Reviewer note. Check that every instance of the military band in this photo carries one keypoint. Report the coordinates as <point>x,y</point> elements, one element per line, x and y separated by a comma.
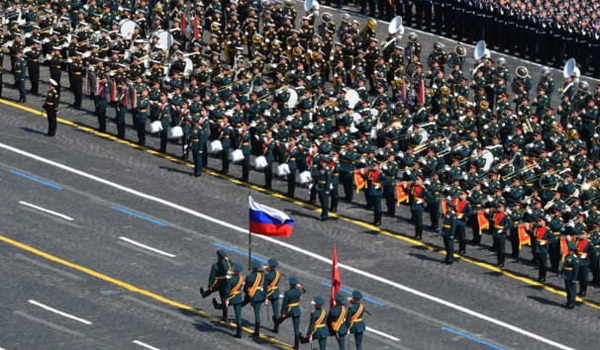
<point>412,125</point>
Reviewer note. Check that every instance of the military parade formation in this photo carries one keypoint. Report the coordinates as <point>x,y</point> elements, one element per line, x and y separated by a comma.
<point>261,286</point>
<point>331,107</point>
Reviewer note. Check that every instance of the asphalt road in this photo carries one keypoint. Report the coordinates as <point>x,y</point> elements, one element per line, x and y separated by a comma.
<point>115,294</point>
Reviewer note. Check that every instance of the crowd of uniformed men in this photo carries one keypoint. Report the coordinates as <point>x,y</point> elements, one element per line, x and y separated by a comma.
<point>542,31</point>
<point>261,286</point>
<point>338,106</point>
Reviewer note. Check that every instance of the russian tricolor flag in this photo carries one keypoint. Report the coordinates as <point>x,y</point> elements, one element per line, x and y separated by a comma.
<point>269,221</point>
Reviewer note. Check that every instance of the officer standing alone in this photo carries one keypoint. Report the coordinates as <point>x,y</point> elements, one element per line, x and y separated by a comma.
<point>51,106</point>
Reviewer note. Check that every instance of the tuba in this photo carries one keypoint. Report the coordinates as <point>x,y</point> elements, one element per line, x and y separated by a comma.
<point>326,17</point>
<point>522,72</point>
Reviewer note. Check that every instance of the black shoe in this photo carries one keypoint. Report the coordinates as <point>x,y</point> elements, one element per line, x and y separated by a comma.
<point>276,324</point>
<point>238,332</point>
<point>500,266</point>
<point>462,252</point>
<point>541,280</point>
<point>256,329</point>
<point>216,304</point>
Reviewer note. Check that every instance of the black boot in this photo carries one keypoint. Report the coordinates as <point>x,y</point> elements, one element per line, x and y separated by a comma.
<point>203,293</point>
<point>296,342</point>
<point>419,233</point>
<point>238,332</point>
<point>216,304</point>
<point>377,219</point>
<point>582,290</point>
<point>225,309</point>
<point>257,328</point>
<point>276,324</point>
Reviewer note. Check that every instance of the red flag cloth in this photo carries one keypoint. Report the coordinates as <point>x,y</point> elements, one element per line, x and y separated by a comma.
<point>196,29</point>
<point>183,22</point>
<point>359,180</point>
<point>401,194</point>
<point>421,92</point>
<point>403,89</point>
<point>336,280</point>
<point>524,238</point>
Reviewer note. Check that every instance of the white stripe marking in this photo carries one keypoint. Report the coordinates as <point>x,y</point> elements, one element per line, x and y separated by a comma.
<point>63,216</point>
<point>291,247</point>
<point>64,314</point>
<point>146,247</point>
<point>145,345</point>
<point>385,335</point>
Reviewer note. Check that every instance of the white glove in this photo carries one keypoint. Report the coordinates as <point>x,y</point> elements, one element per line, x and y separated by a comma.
<point>506,189</point>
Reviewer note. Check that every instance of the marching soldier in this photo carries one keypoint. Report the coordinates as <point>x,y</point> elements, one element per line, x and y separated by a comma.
<point>233,297</point>
<point>271,290</point>
<point>290,307</point>
<point>585,249</point>
<point>463,213</point>
<point>354,321</point>
<point>336,320</point>
<point>51,106</point>
<point>76,77</point>
<point>217,280</point>
<point>198,139</point>
<point>317,324</point>
<point>375,181</point>
<point>121,110</point>
<point>253,290</point>
<point>142,116</point>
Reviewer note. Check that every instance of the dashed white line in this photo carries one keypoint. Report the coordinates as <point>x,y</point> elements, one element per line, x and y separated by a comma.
<point>62,313</point>
<point>145,345</point>
<point>62,216</point>
<point>357,271</point>
<point>131,241</point>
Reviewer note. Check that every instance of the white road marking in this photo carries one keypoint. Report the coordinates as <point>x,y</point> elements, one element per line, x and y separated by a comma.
<point>291,247</point>
<point>385,335</point>
<point>146,247</point>
<point>64,314</point>
<point>145,345</point>
<point>62,216</point>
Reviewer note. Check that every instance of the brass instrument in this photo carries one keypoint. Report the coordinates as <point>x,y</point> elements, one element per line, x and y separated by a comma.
<point>522,72</point>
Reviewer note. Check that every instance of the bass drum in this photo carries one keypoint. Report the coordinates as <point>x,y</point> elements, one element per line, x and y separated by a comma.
<point>127,28</point>
<point>260,163</point>
<point>215,147</point>
<point>165,39</point>
<point>283,169</point>
<point>304,177</point>
<point>293,100</point>
<point>236,155</point>
<point>154,127</point>
<point>175,132</point>
<point>189,67</point>
<point>352,97</point>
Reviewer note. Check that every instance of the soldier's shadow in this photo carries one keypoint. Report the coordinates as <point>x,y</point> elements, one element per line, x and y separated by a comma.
<point>544,301</point>
<point>33,131</point>
<point>425,257</point>
<point>174,170</point>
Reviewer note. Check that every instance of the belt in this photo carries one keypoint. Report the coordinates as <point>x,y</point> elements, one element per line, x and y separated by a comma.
<point>582,255</point>
<point>77,73</point>
<point>33,60</point>
<point>567,268</point>
<point>322,182</point>
<point>142,111</point>
<point>446,226</point>
<point>220,277</point>
<point>245,143</point>
<point>498,227</point>
<point>50,103</point>
<point>556,233</point>
<point>195,140</point>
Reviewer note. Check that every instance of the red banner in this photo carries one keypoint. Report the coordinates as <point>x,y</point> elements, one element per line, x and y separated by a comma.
<point>196,28</point>
<point>524,238</point>
<point>336,280</point>
<point>482,221</point>
<point>359,180</point>
<point>401,194</point>
<point>421,92</point>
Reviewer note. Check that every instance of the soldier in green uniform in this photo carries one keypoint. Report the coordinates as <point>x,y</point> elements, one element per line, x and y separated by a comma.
<point>499,229</point>
<point>390,171</point>
<point>142,115</point>
<point>317,324</point>
<point>448,232</point>
<point>51,106</point>
<point>322,183</point>
<point>585,250</point>
<point>570,272</point>
<point>198,139</point>
<point>290,307</point>
<point>542,236</point>
<point>375,179</point>
<point>418,195</point>
<point>348,159</point>
<point>253,290</point>
<point>217,279</point>
<point>434,188</point>
<point>271,290</point>
<point>121,110</point>
<point>20,72</point>
<point>336,320</point>
<point>354,321</point>
<point>234,297</point>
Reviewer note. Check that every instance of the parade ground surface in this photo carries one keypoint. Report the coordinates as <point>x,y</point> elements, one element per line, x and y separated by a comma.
<point>104,244</point>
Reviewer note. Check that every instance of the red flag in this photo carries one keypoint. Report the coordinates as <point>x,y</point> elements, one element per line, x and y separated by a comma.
<point>183,23</point>
<point>336,280</point>
<point>196,28</point>
<point>421,92</point>
<point>359,180</point>
<point>403,89</point>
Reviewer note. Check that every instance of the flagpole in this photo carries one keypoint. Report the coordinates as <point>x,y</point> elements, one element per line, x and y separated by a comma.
<point>249,237</point>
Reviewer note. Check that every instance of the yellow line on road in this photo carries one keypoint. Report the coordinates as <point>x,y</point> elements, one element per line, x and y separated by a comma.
<point>133,288</point>
<point>278,195</point>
